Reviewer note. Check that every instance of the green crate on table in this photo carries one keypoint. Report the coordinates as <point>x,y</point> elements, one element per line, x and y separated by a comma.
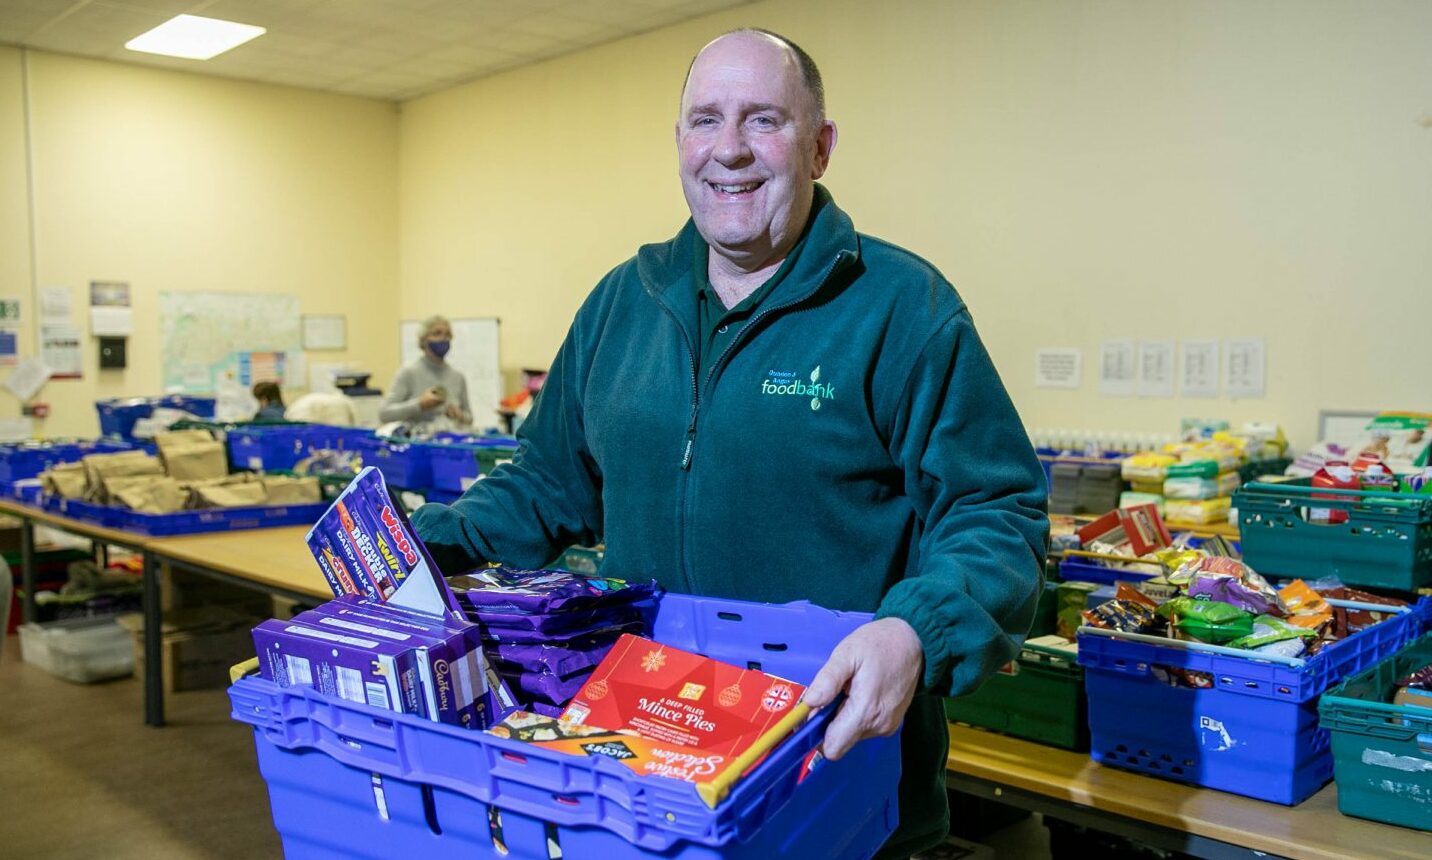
<point>1039,697</point>
<point>1382,753</point>
<point>1385,543</point>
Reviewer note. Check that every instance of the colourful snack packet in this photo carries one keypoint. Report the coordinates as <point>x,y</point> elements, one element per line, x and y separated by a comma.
<point>555,657</point>
<point>1361,619</point>
<point>543,686</point>
<point>1206,620</point>
<point>1126,592</point>
<point>1268,629</point>
<point>1306,607</point>
<point>1231,581</point>
<point>1123,615</point>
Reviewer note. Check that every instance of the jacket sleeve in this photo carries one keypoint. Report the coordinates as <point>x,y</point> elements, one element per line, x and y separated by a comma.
<point>980,495</point>
<point>545,500</point>
<point>402,402</point>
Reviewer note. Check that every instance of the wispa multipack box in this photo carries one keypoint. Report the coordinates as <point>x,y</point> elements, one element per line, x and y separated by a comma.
<point>681,699</point>
<point>365,545</point>
<point>458,685</point>
<point>359,668</point>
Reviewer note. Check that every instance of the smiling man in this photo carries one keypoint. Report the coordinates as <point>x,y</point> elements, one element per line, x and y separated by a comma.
<point>771,406</point>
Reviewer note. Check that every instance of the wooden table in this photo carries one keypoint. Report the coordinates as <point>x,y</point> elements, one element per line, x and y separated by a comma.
<point>275,561</point>
<point>1168,815</point>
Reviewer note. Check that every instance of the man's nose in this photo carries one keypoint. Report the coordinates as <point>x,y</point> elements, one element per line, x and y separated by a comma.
<point>731,147</point>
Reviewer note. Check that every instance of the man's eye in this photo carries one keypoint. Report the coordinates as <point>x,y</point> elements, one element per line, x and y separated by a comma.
<point>704,121</point>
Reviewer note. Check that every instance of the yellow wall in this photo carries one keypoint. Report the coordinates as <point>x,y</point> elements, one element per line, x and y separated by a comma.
<point>1080,171</point>
<point>175,181</point>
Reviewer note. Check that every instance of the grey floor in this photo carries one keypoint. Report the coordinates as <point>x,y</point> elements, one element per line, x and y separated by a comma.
<point>81,777</point>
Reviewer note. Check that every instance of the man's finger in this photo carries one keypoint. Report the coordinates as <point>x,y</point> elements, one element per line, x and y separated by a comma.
<point>843,731</point>
<point>829,681</point>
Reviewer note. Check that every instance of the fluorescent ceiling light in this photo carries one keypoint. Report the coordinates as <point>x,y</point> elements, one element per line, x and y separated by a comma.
<point>194,37</point>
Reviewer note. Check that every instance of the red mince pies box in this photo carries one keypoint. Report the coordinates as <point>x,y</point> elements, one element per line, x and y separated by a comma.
<point>682,699</point>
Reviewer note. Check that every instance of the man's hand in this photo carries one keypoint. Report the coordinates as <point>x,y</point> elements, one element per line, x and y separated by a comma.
<point>878,667</point>
<point>429,399</point>
<point>454,412</point>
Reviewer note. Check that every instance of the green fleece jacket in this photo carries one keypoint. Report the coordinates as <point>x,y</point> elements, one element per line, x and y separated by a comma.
<point>853,446</point>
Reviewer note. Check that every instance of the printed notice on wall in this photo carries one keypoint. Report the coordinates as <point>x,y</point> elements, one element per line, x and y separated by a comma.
<point>1200,368</point>
<point>1118,367</point>
<point>1058,368</point>
<point>1156,368</point>
<point>60,350</point>
<point>1244,365</point>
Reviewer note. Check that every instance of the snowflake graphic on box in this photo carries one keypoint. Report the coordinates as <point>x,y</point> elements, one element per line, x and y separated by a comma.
<point>653,661</point>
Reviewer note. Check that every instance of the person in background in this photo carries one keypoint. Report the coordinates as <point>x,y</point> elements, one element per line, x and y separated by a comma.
<point>270,399</point>
<point>774,407</point>
<point>429,392</point>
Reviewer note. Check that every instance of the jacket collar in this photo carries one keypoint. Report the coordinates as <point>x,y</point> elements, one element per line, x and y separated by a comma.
<point>665,268</point>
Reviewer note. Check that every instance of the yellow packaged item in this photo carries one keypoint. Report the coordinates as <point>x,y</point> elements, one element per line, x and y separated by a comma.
<point>1198,511</point>
<point>1149,466</point>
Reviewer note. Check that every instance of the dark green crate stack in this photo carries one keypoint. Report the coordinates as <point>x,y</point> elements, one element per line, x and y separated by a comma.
<point>1039,696</point>
<point>1385,543</point>
<point>1382,753</point>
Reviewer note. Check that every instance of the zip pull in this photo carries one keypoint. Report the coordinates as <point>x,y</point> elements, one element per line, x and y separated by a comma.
<point>690,445</point>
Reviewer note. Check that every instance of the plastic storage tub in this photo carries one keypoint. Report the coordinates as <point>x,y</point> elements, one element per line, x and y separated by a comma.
<point>1255,732</point>
<point>403,464</point>
<point>82,650</point>
<point>273,447</point>
<point>1039,696</point>
<point>117,417</point>
<point>458,465</point>
<point>1382,753</point>
<point>1385,543</point>
<point>346,780</point>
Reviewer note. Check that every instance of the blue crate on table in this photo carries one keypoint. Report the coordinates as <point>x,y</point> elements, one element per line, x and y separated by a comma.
<point>346,780</point>
<point>219,519</point>
<point>1255,732</point>
<point>275,446</point>
<point>403,464</point>
<point>118,416</point>
<point>457,465</point>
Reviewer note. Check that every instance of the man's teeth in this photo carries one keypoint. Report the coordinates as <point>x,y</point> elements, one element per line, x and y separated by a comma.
<point>737,189</point>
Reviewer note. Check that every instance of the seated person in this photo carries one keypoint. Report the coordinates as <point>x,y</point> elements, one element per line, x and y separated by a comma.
<point>270,400</point>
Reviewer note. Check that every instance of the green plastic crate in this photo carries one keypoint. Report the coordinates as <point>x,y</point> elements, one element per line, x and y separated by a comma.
<point>1382,753</point>
<point>1038,697</point>
<point>1386,542</point>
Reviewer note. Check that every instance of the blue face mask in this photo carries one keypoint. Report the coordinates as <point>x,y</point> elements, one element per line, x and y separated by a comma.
<point>439,347</point>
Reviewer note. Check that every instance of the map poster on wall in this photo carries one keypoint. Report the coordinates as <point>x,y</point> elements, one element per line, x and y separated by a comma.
<point>205,336</point>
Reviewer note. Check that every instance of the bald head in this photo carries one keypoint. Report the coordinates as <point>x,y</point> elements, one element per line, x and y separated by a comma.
<point>797,58</point>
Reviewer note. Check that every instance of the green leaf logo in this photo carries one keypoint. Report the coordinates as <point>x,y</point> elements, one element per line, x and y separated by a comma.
<point>815,374</point>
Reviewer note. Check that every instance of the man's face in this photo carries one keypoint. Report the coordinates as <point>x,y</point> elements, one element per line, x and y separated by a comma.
<point>750,148</point>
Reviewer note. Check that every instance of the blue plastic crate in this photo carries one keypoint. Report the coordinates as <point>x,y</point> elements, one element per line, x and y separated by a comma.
<point>219,519</point>
<point>1255,732</point>
<point>76,509</point>
<point>403,464</point>
<point>442,497</point>
<point>458,465</point>
<point>275,446</point>
<point>1086,570</point>
<point>346,780</point>
<point>118,416</point>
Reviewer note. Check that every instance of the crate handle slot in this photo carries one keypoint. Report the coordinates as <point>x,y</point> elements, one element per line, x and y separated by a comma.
<point>566,801</point>
<point>775,646</point>
<point>1294,662</point>
<point>728,616</point>
<point>514,757</point>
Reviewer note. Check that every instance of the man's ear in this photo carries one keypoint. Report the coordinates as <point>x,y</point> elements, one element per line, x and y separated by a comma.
<point>824,146</point>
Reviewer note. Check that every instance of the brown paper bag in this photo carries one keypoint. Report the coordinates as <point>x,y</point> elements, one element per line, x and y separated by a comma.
<point>291,491</point>
<point>192,454</point>
<point>66,480</point>
<point>230,496</point>
<point>98,467</point>
<point>157,496</point>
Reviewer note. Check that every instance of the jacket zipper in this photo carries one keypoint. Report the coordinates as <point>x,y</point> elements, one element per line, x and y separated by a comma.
<point>688,452</point>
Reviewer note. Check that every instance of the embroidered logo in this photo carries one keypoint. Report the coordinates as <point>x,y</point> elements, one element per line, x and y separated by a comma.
<point>787,382</point>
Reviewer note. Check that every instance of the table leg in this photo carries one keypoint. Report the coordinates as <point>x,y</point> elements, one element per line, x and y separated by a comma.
<point>27,569</point>
<point>153,622</point>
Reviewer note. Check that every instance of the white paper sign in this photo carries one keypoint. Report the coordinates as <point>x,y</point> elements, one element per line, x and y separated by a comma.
<point>111,321</point>
<point>1156,368</point>
<point>55,303</point>
<point>1118,367</point>
<point>60,350</point>
<point>1058,368</point>
<point>1244,365</point>
<point>27,378</point>
<point>1200,368</point>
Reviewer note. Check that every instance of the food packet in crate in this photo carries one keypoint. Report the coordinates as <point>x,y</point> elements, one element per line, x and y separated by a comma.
<point>1206,621</point>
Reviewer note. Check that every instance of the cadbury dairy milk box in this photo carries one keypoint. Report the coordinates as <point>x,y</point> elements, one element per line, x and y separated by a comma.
<point>359,668</point>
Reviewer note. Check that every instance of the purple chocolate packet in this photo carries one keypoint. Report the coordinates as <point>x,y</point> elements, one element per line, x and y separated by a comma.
<point>542,687</point>
<point>1230,589</point>
<point>546,710</point>
<point>564,625</point>
<point>504,637</point>
<point>508,591</point>
<point>553,659</point>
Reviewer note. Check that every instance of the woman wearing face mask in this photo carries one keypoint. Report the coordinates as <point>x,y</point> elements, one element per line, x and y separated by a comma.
<point>429,394</point>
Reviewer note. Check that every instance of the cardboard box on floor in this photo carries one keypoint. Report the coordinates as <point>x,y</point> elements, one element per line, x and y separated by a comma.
<point>199,646</point>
